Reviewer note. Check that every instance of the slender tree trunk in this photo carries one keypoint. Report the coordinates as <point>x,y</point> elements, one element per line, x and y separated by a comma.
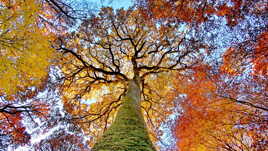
<point>128,132</point>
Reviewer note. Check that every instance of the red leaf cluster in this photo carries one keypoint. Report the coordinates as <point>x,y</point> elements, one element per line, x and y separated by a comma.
<point>260,59</point>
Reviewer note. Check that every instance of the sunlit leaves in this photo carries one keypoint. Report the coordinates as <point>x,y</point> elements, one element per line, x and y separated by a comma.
<point>25,56</point>
<point>25,48</point>
<point>234,61</point>
<point>158,104</point>
<point>227,123</point>
<point>202,115</point>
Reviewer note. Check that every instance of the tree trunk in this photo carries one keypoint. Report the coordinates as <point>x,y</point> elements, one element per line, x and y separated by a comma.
<point>128,132</point>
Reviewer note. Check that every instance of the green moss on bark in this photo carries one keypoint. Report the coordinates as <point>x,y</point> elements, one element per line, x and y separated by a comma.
<point>128,132</point>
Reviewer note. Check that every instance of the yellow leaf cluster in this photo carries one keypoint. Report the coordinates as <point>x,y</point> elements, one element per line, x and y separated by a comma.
<point>25,50</point>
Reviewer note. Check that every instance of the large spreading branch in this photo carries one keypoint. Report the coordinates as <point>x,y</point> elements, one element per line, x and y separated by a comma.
<point>11,109</point>
<point>245,102</point>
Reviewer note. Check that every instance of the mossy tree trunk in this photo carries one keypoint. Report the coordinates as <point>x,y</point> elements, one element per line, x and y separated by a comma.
<point>128,132</point>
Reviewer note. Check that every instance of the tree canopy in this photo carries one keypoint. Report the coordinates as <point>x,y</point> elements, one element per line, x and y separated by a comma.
<point>194,72</point>
<point>113,47</point>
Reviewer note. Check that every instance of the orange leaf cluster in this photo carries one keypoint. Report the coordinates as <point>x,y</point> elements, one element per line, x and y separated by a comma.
<point>260,59</point>
<point>228,65</point>
<point>209,122</point>
<point>195,10</point>
<point>182,10</point>
<point>11,125</point>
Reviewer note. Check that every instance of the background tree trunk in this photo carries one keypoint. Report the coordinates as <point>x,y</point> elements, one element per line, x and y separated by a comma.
<point>128,132</point>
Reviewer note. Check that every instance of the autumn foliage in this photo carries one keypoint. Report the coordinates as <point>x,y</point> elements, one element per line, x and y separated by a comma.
<point>201,69</point>
<point>224,107</point>
<point>23,43</point>
<point>198,11</point>
<point>260,60</point>
<point>11,124</point>
<point>212,117</point>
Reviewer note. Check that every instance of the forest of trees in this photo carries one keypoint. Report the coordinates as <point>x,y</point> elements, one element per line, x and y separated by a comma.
<point>160,75</point>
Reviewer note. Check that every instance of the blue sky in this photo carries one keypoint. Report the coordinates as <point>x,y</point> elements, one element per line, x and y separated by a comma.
<point>96,4</point>
<point>116,3</point>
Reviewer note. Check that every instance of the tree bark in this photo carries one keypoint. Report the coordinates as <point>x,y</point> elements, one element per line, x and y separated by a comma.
<point>128,132</point>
